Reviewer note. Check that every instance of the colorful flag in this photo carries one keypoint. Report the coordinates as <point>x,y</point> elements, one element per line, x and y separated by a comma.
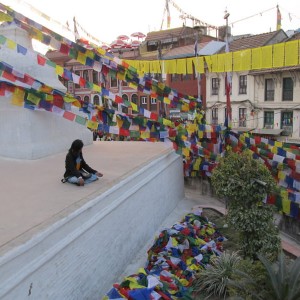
<point>278,19</point>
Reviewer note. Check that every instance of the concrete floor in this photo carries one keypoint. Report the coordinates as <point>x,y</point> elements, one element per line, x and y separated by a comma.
<point>33,197</point>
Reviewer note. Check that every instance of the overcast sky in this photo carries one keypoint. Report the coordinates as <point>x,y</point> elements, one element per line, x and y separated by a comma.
<point>107,19</point>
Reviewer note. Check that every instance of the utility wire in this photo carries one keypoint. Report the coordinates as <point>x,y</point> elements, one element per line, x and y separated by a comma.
<point>257,14</point>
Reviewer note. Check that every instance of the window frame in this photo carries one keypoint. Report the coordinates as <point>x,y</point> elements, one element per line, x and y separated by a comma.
<point>267,118</point>
<point>115,80</point>
<point>215,84</point>
<point>287,93</point>
<point>153,100</point>
<point>242,117</point>
<point>242,84</point>
<point>214,115</point>
<point>269,93</point>
<point>144,100</point>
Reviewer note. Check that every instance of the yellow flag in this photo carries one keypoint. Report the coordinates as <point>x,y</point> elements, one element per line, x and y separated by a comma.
<point>291,53</point>
<point>59,70</point>
<point>132,85</point>
<point>97,88</point>
<point>237,61</point>
<point>81,58</point>
<point>278,55</point>
<point>181,66</point>
<point>49,97</point>
<point>167,122</point>
<point>286,206</point>
<point>92,125</point>
<point>167,100</point>
<point>134,106</point>
<point>186,152</point>
<point>33,98</point>
<point>18,97</point>
<point>11,44</point>
<point>145,134</point>
<point>246,59</point>
<point>257,58</point>
<point>119,122</point>
<point>267,56</point>
<point>5,18</point>
<point>189,65</point>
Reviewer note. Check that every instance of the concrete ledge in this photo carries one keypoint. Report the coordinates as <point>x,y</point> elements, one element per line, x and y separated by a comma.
<point>82,255</point>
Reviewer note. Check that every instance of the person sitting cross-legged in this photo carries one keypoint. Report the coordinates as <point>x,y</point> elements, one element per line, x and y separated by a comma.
<point>77,170</point>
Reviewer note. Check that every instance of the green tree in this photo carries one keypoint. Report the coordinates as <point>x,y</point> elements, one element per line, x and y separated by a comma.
<point>245,182</point>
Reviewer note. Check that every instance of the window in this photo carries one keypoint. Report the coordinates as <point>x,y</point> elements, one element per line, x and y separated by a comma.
<point>286,118</point>
<point>153,100</point>
<point>214,116</point>
<point>95,77</point>
<point>85,75</point>
<point>243,84</point>
<point>242,117</point>
<point>143,99</point>
<point>124,83</point>
<point>96,100</point>
<point>287,89</point>
<point>287,122</point>
<point>134,98</point>
<point>113,82</point>
<point>269,119</point>
<point>86,99</point>
<point>125,99</point>
<point>214,86</point>
<point>269,89</point>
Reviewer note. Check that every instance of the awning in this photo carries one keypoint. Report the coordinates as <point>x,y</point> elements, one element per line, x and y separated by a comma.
<point>265,131</point>
<point>262,131</point>
<point>241,129</point>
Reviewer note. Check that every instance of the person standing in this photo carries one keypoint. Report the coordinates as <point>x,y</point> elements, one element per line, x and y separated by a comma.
<point>77,170</point>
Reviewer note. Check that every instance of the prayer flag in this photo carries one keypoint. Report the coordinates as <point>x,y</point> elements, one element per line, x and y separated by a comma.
<point>278,27</point>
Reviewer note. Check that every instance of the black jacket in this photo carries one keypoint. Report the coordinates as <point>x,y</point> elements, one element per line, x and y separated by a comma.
<point>71,166</point>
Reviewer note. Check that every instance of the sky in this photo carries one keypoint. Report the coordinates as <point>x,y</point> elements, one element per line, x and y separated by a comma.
<point>106,20</point>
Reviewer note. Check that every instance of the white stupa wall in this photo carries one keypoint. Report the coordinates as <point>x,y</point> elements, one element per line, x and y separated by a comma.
<point>26,134</point>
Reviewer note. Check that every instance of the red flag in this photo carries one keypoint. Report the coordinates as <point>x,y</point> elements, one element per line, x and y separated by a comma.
<point>69,115</point>
<point>41,60</point>
<point>228,80</point>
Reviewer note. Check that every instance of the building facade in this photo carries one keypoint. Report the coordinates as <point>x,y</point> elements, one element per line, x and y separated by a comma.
<point>164,44</point>
<point>265,101</point>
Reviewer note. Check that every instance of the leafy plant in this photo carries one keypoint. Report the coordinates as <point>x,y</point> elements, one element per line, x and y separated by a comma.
<point>282,281</point>
<point>213,280</point>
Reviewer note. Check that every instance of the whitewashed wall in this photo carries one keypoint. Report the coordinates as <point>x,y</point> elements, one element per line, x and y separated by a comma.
<point>26,134</point>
